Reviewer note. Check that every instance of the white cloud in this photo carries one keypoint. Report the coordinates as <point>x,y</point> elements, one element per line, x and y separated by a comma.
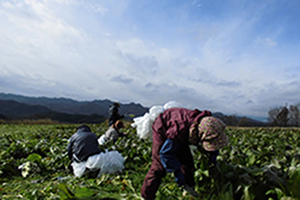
<point>95,50</point>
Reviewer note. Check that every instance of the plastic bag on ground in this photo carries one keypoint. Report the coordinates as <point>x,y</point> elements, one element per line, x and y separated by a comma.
<point>78,168</point>
<point>109,162</point>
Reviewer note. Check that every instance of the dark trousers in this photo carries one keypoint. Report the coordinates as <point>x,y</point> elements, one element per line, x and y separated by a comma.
<point>157,171</point>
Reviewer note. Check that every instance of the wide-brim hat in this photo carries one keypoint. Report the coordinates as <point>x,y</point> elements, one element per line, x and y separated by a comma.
<point>211,133</point>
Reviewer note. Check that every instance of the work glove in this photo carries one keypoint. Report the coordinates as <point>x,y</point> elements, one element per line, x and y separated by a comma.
<point>191,190</point>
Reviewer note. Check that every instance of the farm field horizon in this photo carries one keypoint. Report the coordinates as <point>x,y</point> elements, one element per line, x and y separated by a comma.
<point>259,163</point>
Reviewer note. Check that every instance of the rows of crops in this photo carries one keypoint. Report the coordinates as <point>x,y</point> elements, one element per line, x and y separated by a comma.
<point>259,163</point>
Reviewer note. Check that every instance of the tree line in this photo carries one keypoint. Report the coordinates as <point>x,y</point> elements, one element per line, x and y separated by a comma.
<point>285,116</point>
<point>282,116</point>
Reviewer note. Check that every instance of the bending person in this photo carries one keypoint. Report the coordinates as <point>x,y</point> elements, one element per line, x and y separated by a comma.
<point>173,131</point>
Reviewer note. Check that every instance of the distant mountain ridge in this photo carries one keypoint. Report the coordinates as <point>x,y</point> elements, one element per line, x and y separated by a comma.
<point>18,106</point>
<point>71,106</point>
<point>14,109</point>
<point>14,106</point>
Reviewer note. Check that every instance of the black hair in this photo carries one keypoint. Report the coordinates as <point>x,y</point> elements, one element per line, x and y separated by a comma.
<point>84,128</point>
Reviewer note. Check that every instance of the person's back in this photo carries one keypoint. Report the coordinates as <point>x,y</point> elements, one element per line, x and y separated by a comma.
<point>113,133</point>
<point>83,144</point>
<point>176,122</point>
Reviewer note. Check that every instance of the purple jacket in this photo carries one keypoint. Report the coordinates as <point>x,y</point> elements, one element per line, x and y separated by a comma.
<point>174,123</point>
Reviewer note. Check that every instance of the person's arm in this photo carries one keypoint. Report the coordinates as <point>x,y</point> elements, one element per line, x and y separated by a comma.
<point>169,160</point>
<point>121,134</point>
<point>213,157</point>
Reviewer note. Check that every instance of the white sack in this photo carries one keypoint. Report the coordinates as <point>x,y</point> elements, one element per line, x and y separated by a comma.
<point>173,104</point>
<point>78,168</point>
<point>144,123</point>
<point>109,162</point>
<point>102,140</point>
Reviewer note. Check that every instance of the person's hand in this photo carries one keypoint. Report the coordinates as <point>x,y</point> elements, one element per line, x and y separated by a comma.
<point>191,190</point>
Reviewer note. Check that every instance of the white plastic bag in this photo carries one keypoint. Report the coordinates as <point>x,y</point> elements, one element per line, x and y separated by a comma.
<point>173,104</point>
<point>144,123</point>
<point>109,162</point>
<point>78,168</point>
<point>102,140</point>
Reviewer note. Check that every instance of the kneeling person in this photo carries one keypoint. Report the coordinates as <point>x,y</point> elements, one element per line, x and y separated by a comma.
<point>88,158</point>
<point>82,145</point>
<point>113,133</point>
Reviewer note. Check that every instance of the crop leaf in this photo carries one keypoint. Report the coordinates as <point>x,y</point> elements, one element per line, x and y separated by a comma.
<point>84,192</point>
<point>247,193</point>
<point>295,183</point>
<point>34,157</point>
<point>66,191</point>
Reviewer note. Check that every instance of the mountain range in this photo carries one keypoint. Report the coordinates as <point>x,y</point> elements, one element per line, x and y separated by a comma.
<point>14,106</point>
<point>64,110</point>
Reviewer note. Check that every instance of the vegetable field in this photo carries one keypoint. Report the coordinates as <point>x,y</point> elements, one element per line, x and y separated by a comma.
<point>259,163</point>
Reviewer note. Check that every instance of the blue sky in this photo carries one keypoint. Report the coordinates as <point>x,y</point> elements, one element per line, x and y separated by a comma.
<point>236,57</point>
